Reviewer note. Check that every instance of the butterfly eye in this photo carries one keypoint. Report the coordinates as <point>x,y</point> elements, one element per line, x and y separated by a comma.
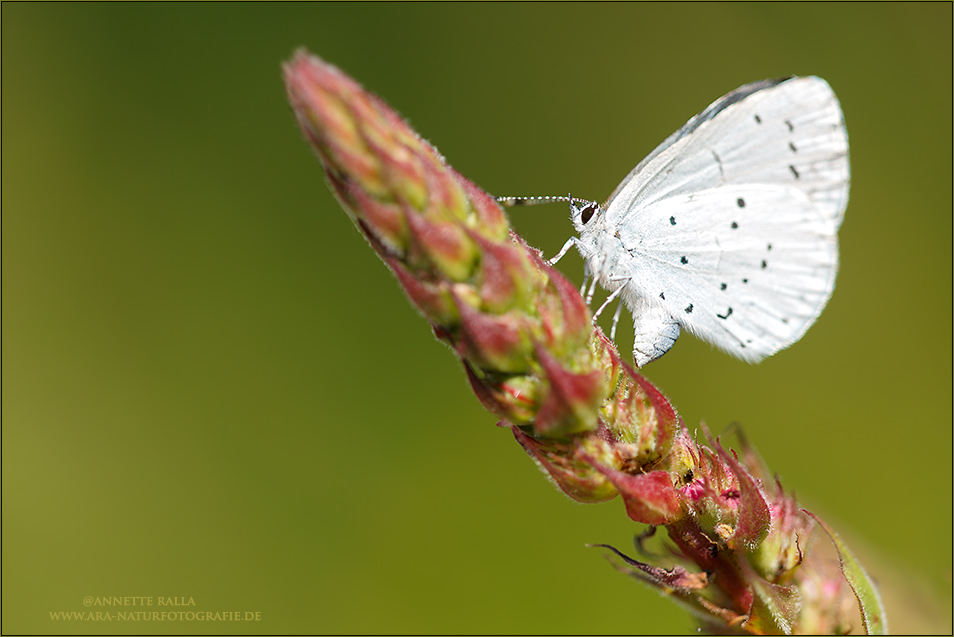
<point>588,213</point>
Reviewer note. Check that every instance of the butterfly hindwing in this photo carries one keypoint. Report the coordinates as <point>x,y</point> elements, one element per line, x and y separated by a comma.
<point>746,268</point>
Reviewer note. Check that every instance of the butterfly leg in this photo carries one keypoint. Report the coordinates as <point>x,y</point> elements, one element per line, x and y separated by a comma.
<point>619,310</point>
<point>566,248</point>
<point>590,292</point>
<point>586,278</point>
<point>609,299</point>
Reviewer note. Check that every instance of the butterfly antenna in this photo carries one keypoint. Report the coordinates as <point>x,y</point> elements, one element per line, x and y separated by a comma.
<point>533,201</point>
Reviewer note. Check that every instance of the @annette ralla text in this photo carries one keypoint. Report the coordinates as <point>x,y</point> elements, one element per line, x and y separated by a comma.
<point>149,614</point>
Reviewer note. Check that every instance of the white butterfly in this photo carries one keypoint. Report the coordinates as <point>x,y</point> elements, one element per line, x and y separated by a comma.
<point>729,228</point>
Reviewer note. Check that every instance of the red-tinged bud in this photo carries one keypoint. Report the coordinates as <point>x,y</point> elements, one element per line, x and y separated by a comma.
<point>493,341</point>
<point>564,315</point>
<point>753,518</point>
<point>488,218</point>
<point>514,400</point>
<point>782,551</point>
<point>433,299</point>
<point>650,498</point>
<point>642,416</point>
<point>320,96</point>
<point>401,168</point>
<point>569,465</point>
<point>775,609</point>
<point>442,246</point>
<point>446,197</point>
<point>663,411</point>
<point>571,401</point>
<point>504,275</point>
<point>385,221</point>
<point>607,359</point>
<point>682,461</point>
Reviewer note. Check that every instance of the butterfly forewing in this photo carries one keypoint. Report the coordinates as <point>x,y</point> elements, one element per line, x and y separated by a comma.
<point>778,132</point>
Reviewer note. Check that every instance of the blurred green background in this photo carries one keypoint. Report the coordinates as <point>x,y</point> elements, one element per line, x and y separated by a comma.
<point>213,389</point>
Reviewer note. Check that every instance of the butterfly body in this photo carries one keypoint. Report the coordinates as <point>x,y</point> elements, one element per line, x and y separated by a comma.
<point>729,228</point>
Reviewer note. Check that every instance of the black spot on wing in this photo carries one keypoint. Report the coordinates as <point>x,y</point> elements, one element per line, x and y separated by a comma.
<point>794,172</point>
<point>684,260</point>
<point>728,313</point>
<point>740,202</point>
<point>689,309</point>
<point>672,221</point>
